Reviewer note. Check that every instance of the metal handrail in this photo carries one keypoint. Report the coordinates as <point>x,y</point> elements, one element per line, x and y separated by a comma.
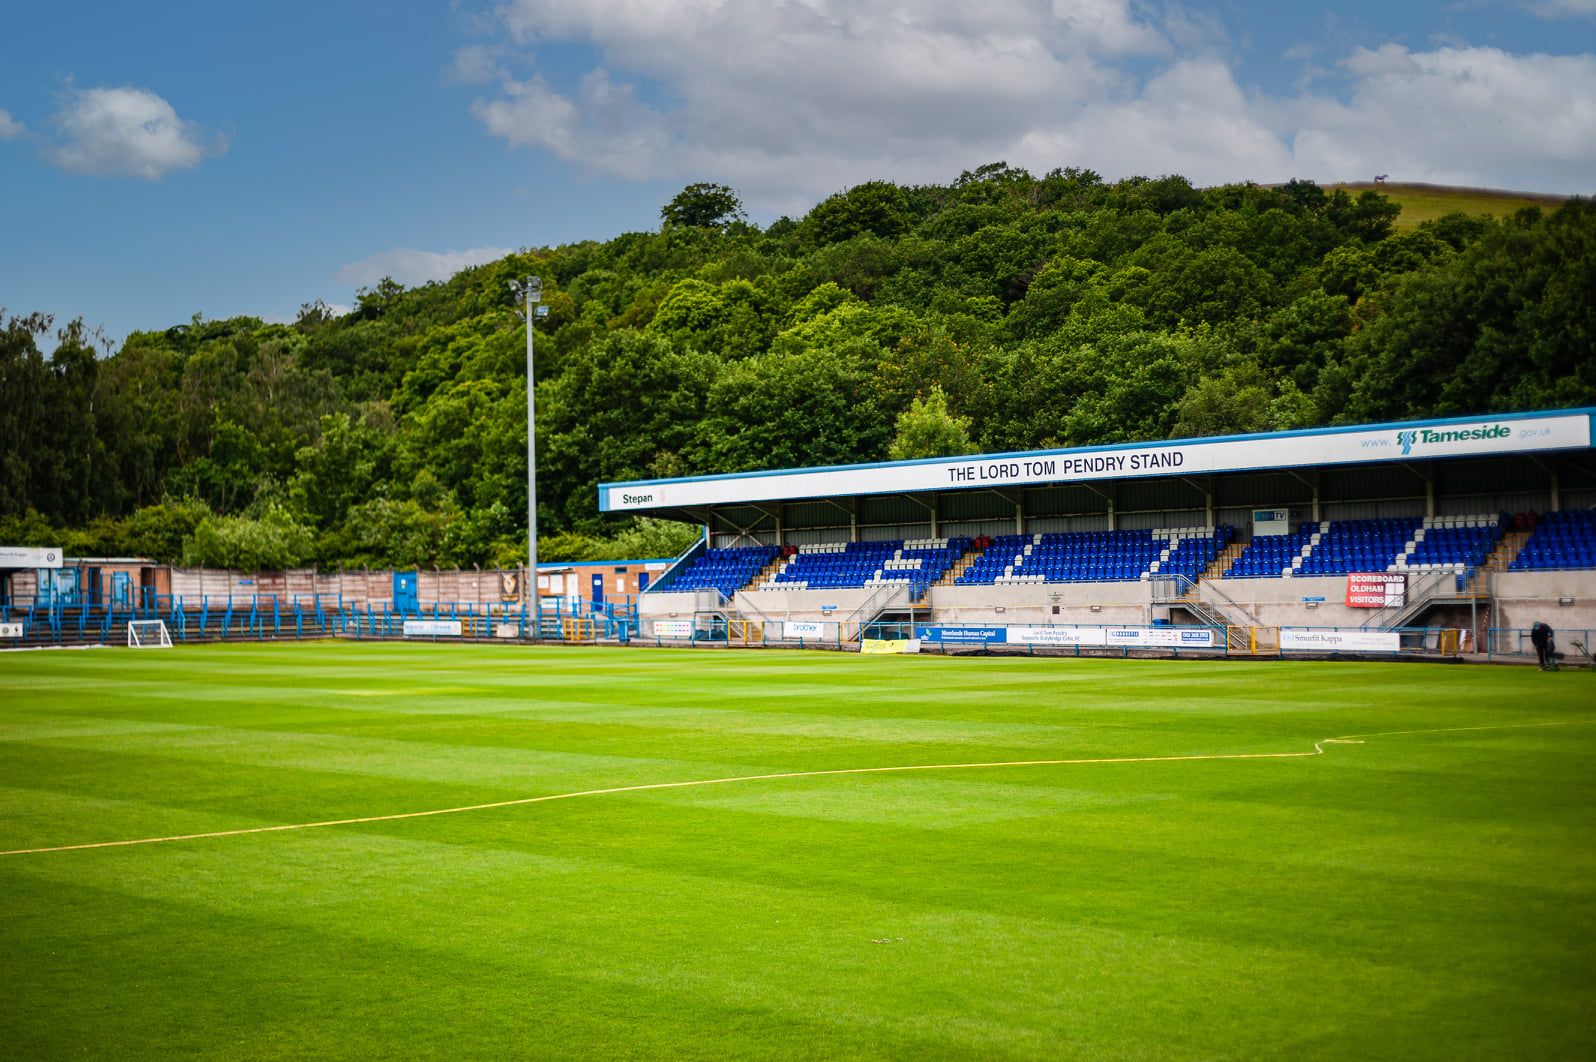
<point>1190,592</point>
<point>1420,593</point>
<point>662,584</point>
<point>889,589</point>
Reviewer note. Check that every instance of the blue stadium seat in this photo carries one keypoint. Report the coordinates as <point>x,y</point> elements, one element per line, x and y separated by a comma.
<point>1096,556</point>
<point>727,570</point>
<point>843,565</point>
<point>1564,539</point>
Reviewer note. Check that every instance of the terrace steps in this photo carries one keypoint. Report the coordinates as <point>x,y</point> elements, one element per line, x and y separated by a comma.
<point>767,575</point>
<point>958,567</point>
<point>1222,563</point>
<point>1507,551</point>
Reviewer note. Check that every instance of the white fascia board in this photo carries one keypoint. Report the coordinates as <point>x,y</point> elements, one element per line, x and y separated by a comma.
<point>1504,435</point>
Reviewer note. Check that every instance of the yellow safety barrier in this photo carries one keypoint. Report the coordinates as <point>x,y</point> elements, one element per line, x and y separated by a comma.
<point>748,632</point>
<point>1252,640</point>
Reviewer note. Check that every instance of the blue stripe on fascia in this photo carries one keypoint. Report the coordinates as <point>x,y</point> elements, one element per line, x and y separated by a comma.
<point>1397,425</point>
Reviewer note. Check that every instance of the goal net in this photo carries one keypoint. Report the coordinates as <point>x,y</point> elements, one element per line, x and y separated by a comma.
<point>148,634</point>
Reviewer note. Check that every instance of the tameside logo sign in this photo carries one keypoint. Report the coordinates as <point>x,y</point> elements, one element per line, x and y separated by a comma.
<point>1428,436</point>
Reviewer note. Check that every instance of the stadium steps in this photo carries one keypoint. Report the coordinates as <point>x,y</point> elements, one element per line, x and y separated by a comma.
<point>1222,563</point>
<point>767,575</point>
<point>1507,551</point>
<point>958,567</point>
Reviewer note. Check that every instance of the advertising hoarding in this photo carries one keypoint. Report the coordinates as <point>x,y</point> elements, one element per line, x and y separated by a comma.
<point>432,628</point>
<point>1376,589</point>
<point>30,556</point>
<point>1335,641</point>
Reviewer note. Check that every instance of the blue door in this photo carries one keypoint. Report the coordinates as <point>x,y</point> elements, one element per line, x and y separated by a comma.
<point>642,581</point>
<point>121,590</point>
<point>598,589</point>
<point>57,587</point>
<point>404,592</point>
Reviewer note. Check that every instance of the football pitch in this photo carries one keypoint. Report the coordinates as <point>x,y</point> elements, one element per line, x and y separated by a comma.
<point>1142,859</point>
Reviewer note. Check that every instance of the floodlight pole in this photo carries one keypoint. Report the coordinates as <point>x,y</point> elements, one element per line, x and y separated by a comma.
<point>531,290</point>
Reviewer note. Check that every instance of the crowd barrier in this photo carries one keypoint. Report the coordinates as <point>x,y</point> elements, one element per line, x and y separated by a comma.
<point>1074,639</point>
<point>324,616</point>
<point>319,616</point>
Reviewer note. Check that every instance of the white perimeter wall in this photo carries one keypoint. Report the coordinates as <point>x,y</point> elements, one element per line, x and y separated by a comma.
<point>1279,602</point>
<point>1521,599</point>
<point>1524,597</point>
<point>1042,603</point>
<point>803,604</point>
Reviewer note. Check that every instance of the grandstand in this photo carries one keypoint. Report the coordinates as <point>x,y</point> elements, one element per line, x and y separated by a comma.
<point>1484,524</point>
<point>1560,540</point>
<point>1263,531</point>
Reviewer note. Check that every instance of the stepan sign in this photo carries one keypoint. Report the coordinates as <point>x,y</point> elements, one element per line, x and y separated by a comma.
<point>1484,437</point>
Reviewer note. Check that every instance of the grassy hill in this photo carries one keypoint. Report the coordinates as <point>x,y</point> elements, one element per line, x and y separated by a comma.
<point>1425,202</point>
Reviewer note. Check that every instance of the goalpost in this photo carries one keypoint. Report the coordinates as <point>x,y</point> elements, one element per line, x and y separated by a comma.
<point>148,634</point>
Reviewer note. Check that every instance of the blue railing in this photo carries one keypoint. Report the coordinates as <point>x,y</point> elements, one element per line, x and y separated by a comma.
<point>267,616</point>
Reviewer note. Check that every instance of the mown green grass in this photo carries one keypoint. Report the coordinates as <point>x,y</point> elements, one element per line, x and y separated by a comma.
<point>1417,896</point>
<point>1426,202</point>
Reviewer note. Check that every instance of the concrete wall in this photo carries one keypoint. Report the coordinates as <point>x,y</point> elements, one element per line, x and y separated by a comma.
<point>803,604</point>
<point>1263,602</point>
<point>1524,597</point>
<point>668,603</point>
<point>1043,603</point>
<point>1279,602</point>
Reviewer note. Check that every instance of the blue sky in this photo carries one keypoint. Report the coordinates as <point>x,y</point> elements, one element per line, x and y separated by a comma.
<point>224,159</point>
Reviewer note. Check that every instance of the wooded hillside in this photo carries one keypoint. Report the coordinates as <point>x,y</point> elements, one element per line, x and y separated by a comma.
<point>1000,312</point>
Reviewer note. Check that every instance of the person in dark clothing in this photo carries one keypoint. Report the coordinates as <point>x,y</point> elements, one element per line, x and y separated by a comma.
<point>1545,645</point>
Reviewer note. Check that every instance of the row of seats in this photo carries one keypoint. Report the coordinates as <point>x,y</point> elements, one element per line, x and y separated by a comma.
<point>1565,539</point>
<point>1395,544</point>
<point>727,570</point>
<point>917,562</point>
<point>1343,546</point>
<point>1096,556</point>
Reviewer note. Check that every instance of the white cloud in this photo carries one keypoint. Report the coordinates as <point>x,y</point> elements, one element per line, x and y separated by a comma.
<point>411,267</point>
<point>1560,8</point>
<point>1476,116</point>
<point>477,64</point>
<point>129,132</point>
<point>10,128</point>
<point>789,100</point>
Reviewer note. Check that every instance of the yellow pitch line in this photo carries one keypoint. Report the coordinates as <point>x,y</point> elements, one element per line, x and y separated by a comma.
<point>1318,750</point>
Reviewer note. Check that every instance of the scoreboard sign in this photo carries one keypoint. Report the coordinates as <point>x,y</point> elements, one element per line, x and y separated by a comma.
<point>1376,589</point>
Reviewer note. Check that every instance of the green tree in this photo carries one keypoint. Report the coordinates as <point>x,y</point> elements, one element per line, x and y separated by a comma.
<point>783,410</point>
<point>271,543</point>
<point>877,208</point>
<point>928,428</point>
<point>704,206</point>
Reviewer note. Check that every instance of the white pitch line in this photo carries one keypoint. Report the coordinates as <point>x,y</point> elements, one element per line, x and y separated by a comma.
<point>1318,750</point>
